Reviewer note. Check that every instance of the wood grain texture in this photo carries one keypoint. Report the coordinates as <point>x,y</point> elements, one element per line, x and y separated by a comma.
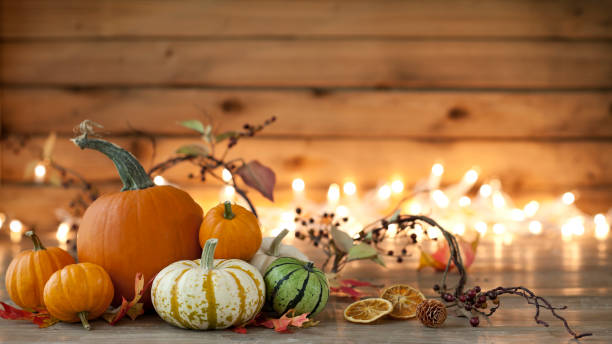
<point>575,274</point>
<point>316,113</point>
<point>189,18</point>
<point>519,164</point>
<point>310,63</point>
<point>36,205</point>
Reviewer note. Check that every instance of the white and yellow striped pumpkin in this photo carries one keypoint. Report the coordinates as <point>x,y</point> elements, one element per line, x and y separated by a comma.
<point>208,293</point>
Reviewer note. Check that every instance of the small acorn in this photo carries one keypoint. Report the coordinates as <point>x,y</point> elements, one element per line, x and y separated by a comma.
<point>431,313</point>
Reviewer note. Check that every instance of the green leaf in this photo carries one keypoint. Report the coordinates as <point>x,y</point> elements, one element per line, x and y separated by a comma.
<point>395,216</point>
<point>193,150</point>
<point>225,135</point>
<point>194,124</point>
<point>48,147</point>
<point>342,240</point>
<point>378,260</point>
<point>362,251</point>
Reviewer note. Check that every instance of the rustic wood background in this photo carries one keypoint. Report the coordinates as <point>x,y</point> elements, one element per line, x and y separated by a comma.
<point>362,90</point>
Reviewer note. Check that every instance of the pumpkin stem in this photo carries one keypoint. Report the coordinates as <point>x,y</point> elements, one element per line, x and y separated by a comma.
<point>228,213</point>
<point>83,317</point>
<point>208,254</point>
<point>133,176</point>
<point>275,246</point>
<point>36,240</point>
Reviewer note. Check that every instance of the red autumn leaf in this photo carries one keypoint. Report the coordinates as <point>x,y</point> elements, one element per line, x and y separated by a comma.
<point>280,325</point>
<point>259,177</point>
<point>350,291</point>
<point>439,258</point>
<point>356,283</point>
<point>133,308</point>
<point>42,318</point>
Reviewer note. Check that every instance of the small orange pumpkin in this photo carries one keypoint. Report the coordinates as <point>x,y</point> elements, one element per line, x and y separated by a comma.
<point>79,292</point>
<point>236,228</point>
<point>29,271</point>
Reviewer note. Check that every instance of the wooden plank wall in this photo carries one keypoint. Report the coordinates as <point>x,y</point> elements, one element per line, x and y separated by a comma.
<point>362,89</point>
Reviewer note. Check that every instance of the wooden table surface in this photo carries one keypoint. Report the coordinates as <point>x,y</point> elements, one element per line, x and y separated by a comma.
<point>576,274</point>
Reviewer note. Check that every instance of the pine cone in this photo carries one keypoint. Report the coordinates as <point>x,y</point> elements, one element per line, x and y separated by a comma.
<point>432,313</point>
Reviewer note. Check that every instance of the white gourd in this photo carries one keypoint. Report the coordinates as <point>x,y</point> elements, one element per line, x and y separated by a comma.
<point>208,293</point>
<point>272,249</point>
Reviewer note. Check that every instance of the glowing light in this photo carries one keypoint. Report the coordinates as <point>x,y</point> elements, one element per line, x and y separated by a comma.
<point>440,198</point>
<point>508,237</point>
<point>384,192</point>
<point>517,214</point>
<point>498,200</point>
<point>459,229</point>
<point>437,170</point>
<point>39,172</point>
<point>566,231</point>
<point>568,198</point>
<point>481,227</point>
<point>15,226</point>
<point>418,230</point>
<point>535,227</point>
<point>286,221</point>
<point>415,208</point>
<point>485,190</point>
<point>226,175</point>
<point>464,201</point>
<point>392,230</point>
<point>298,185</point>
<point>349,188</point>
<point>531,208</point>
<point>2,219</point>
<point>470,177</point>
<point>342,211</point>
<point>62,232</point>
<point>333,193</point>
<point>397,186</point>
<point>499,228</point>
<point>228,192</point>
<point>159,180</point>
<point>433,233</point>
<point>602,228</point>
<point>577,225</point>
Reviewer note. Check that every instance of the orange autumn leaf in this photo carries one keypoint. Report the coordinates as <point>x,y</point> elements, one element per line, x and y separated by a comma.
<point>41,317</point>
<point>280,325</point>
<point>439,258</point>
<point>133,308</point>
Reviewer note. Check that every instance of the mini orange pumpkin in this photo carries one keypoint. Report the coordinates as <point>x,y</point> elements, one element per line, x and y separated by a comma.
<point>29,271</point>
<point>143,228</point>
<point>78,292</point>
<point>236,228</point>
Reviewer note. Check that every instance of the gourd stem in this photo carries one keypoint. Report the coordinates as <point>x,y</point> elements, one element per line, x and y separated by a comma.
<point>132,174</point>
<point>275,246</point>
<point>228,213</point>
<point>83,317</point>
<point>36,240</point>
<point>208,254</point>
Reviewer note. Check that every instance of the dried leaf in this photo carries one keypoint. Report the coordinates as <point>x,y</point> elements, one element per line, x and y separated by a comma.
<point>356,283</point>
<point>42,318</point>
<point>259,177</point>
<point>280,325</point>
<point>132,308</point>
<point>239,329</point>
<point>439,258</point>
<point>342,240</point>
<point>207,134</point>
<point>48,146</point>
<point>193,124</point>
<point>362,251</point>
<point>225,135</point>
<point>193,150</point>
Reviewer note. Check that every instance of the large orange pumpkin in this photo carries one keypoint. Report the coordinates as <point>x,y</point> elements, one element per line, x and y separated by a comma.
<point>29,271</point>
<point>143,228</point>
<point>236,228</point>
<point>78,292</point>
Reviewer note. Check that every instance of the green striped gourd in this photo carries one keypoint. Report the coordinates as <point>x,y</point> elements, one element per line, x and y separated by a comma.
<point>294,284</point>
<point>208,293</point>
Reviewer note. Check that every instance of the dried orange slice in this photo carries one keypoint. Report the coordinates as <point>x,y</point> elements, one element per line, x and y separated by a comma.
<point>405,300</point>
<point>368,310</point>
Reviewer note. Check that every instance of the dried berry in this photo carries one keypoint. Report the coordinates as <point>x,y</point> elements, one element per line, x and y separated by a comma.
<point>474,321</point>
